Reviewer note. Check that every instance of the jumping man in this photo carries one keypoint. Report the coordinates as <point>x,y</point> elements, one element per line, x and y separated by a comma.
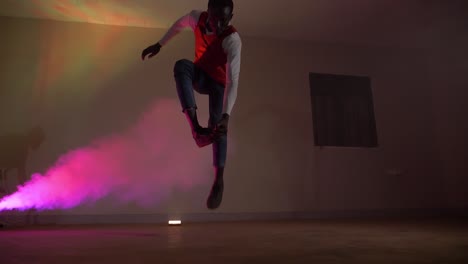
<point>214,72</point>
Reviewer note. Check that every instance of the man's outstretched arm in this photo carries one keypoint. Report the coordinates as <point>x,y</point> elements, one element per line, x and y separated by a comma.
<point>186,21</point>
<point>190,20</point>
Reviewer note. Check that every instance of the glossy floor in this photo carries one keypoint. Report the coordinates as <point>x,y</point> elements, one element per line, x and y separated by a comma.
<point>318,241</point>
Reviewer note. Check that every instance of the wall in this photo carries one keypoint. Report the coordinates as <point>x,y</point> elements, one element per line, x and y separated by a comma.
<point>83,82</point>
<point>446,68</point>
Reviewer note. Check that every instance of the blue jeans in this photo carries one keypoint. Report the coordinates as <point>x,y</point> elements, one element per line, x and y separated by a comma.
<point>189,77</point>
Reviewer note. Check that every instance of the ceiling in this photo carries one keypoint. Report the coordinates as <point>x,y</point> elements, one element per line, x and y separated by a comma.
<point>408,23</point>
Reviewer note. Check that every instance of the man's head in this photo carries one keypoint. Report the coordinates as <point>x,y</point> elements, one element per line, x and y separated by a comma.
<point>219,14</point>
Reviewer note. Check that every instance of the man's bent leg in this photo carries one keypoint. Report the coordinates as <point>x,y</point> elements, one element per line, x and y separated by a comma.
<point>185,74</point>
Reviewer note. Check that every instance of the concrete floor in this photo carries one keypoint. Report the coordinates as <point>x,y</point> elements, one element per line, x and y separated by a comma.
<point>318,241</point>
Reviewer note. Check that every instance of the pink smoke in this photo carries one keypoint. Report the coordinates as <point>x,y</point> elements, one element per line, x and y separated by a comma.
<point>141,165</point>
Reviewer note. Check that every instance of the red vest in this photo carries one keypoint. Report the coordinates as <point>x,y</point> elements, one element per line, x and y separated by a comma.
<point>209,52</point>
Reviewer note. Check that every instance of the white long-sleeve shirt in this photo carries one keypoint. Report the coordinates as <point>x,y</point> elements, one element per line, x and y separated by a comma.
<point>232,46</point>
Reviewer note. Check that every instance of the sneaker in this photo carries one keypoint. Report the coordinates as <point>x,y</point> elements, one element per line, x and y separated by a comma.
<point>203,137</point>
<point>216,195</point>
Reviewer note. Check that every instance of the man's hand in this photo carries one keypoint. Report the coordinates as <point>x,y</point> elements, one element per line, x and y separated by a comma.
<point>222,126</point>
<point>151,50</point>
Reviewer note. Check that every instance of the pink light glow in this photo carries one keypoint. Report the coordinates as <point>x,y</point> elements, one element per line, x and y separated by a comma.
<point>143,165</point>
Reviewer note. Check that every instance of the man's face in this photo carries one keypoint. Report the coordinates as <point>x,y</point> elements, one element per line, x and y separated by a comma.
<point>218,18</point>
